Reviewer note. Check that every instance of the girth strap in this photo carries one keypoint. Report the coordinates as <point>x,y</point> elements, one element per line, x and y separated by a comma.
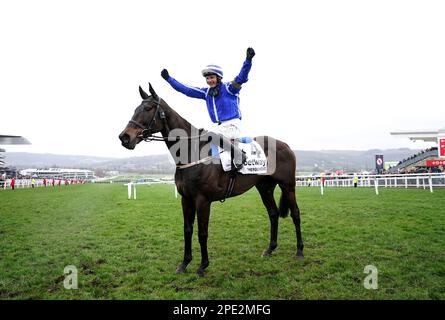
<point>230,187</point>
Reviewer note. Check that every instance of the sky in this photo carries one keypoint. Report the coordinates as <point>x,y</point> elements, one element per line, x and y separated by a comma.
<point>326,75</point>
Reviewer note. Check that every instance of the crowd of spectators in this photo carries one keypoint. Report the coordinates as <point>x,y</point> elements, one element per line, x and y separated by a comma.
<point>417,155</point>
<point>13,183</point>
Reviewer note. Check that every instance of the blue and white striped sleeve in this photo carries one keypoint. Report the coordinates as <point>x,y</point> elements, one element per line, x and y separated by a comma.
<point>233,87</point>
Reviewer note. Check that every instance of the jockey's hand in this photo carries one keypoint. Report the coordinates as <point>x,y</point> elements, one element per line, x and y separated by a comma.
<point>250,53</point>
<point>164,74</point>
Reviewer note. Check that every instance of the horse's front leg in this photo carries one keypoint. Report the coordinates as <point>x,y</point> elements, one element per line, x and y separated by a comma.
<point>203,209</point>
<point>189,211</point>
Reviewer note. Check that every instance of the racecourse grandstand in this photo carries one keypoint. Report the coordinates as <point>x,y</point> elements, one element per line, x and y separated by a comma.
<point>58,173</point>
<point>416,162</point>
<point>9,140</point>
<point>420,162</point>
<point>5,171</point>
<point>2,160</point>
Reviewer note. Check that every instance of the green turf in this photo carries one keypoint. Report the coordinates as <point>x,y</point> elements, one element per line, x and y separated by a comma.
<point>129,249</point>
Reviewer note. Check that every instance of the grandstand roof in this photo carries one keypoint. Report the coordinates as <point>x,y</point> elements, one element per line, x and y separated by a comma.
<point>4,139</point>
<point>423,135</point>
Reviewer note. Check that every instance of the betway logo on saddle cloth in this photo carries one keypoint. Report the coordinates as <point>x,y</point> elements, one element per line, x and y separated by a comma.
<point>256,162</point>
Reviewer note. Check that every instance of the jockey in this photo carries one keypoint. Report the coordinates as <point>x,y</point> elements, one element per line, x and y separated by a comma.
<point>222,99</point>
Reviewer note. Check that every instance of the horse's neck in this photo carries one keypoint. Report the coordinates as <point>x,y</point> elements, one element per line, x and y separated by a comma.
<point>175,123</point>
<point>178,126</point>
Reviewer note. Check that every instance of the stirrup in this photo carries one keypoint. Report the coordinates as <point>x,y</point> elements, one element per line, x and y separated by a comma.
<point>239,166</point>
<point>236,166</point>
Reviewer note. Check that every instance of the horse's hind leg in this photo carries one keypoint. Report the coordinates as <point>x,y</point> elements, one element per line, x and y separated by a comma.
<point>266,189</point>
<point>289,196</point>
<point>188,210</point>
<point>295,214</point>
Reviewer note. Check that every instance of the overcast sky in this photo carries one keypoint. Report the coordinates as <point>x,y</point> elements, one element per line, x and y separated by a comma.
<point>327,74</point>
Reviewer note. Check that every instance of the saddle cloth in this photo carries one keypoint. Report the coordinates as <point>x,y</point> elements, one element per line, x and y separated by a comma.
<point>256,162</point>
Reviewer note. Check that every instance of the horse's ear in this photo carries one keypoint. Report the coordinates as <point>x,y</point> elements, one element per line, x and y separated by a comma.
<point>144,95</point>
<point>152,91</point>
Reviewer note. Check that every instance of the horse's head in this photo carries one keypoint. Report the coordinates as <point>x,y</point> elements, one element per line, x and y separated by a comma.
<point>145,120</point>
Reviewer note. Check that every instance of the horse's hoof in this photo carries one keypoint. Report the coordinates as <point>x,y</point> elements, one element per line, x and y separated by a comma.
<point>266,253</point>
<point>299,257</point>
<point>200,272</point>
<point>180,269</point>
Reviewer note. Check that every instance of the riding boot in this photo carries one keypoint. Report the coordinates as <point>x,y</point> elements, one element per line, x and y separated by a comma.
<point>238,156</point>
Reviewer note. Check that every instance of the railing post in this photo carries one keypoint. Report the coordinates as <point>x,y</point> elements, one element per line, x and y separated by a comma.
<point>129,190</point>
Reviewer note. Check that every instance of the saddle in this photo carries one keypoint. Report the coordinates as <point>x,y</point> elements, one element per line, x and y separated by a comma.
<point>256,161</point>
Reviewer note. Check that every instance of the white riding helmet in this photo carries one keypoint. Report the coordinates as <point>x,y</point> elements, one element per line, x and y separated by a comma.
<point>212,69</point>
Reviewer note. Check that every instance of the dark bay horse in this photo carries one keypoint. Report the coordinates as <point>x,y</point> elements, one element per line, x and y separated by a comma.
<point>200,183</point>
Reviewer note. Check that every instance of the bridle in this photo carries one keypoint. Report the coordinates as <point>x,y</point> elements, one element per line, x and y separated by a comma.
<point>147,134</point>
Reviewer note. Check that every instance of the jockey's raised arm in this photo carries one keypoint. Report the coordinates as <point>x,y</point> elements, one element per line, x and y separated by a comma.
<point>243,76</point>
<point>189,91</point>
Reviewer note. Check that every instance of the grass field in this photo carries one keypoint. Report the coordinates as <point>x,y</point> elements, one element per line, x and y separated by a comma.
<point>129,249</point>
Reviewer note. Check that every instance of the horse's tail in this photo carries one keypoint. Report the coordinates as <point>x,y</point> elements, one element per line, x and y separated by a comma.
<point>284,205</point>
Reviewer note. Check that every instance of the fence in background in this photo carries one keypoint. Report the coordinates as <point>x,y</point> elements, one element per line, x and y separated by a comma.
<point>27,183</point>
<point>419,180</point>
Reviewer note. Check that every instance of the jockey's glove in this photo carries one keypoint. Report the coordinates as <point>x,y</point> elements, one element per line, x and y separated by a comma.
<point>164,74</point>
<point>250,53</point>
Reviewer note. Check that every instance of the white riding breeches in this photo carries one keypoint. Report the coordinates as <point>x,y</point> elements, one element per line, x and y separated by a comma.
<point>231,129</point>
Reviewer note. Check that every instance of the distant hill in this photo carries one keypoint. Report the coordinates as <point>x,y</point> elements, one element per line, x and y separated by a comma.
<point>23,160</point>
<point>309,161</point>
<point>147,164</point>
<point>317,161</point>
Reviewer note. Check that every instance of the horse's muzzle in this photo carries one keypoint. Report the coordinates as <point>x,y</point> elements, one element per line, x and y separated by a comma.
<point>126,141</point>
